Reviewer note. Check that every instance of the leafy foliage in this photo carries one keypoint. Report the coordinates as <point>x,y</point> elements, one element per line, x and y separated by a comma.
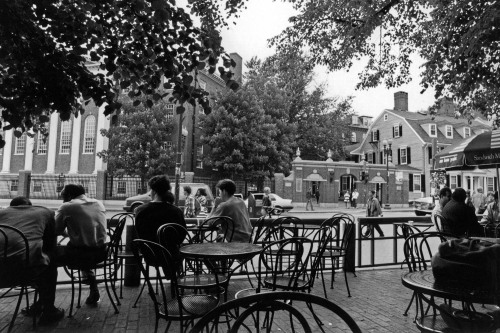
<point>241,135</point>
<point>458,40</point>
<point>139,45</point>
<point>137,143</point>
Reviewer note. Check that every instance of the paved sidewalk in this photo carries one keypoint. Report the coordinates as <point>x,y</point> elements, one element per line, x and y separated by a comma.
<point>377,303</point>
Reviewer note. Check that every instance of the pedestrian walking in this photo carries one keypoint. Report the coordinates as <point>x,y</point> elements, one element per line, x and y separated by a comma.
<point>347,198</point>
<point>317,195</point>
<point>309,197</point>
<point>373,209</point>
<point>354,196</point>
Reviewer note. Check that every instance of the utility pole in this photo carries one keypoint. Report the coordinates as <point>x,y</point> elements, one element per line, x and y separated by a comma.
<point>193,130</point>
<point>178,160</point>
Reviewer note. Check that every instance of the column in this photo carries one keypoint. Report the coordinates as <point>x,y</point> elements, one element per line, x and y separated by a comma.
<point>28,155</point>
<point>52,144</point>
<point>75,144</point>
<point>101,141</point>
<point>7,151</point>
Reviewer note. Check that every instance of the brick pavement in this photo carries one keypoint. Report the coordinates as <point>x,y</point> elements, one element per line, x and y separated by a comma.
<point>377,303</point>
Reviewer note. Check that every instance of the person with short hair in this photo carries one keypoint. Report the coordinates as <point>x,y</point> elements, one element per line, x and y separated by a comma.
<point>38,225</point>
<point>479,201</point>
<point>83,220</point>
<point>373,209</point>
<point>149,217</point>
<point>234,208</point>
<point>444,198</point>
<point>189,204</point>
<point>266,201</point>
<point>460,219</point>
<point>492,212</point>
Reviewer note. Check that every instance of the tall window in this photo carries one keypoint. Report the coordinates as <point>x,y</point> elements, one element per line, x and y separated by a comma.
<point>37,186</point>
<point>199,157</point>
<point>370,158</point>
<point>122,187</point>
<point>41,143</point>
<point>404,158</point>
<point>466,132</point>
<point>20,145</point>
<point>65,145</point>
<point>353,137</point>
<point>453,182</point>
<point>170,111</point>
<point>396,131</point>
<point>417,185</point>
<point>490,184</point>
<point>433,130</point>
<point>89,135</point>
<point>449,131</point>
<point>14,184</point>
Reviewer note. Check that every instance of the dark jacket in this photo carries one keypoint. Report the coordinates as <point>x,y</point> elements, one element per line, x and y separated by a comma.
<point>460,220</point>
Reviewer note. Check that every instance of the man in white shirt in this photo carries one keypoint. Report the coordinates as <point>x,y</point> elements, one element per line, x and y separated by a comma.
<point>83,220</point>
<point>354,196</point>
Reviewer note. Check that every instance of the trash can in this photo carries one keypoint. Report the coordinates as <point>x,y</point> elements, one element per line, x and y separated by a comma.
<point>132,276</point>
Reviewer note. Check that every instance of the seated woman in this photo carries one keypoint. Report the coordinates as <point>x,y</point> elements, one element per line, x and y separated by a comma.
<point>491,214</point>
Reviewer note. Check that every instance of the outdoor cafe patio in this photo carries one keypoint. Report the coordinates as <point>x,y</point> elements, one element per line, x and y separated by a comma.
<point>377,303</point>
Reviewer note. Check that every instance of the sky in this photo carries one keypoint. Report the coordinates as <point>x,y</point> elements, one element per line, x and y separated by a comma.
<point>263,19</point>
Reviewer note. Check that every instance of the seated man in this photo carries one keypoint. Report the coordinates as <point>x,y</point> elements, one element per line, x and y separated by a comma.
<point>444,198</point>
<point>83,220</point>
<point>37,224</point>
<point>492,212</point>
<point>150,216</point>
<point>460,218</point>
<point>235,209</point>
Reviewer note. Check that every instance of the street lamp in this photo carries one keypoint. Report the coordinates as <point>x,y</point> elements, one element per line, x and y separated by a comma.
<point>387,149</point>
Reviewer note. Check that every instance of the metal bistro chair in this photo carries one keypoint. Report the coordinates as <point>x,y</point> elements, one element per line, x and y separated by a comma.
<point>342,233</point>
<point>282,306</point>
<point>107,270</point>
<point>418,250</point>
<point>171,303</point>
<point>15,285</point>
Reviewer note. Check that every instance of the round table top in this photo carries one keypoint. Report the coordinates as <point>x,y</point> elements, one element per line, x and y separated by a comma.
<point>424,282</point>
<point>220,250</point>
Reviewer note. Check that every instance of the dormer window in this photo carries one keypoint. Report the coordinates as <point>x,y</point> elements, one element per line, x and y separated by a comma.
<point>448,131</point>
<point>433,130</point>
<point>467,132</point>
<point>386,116</point>
<point>353,137</point>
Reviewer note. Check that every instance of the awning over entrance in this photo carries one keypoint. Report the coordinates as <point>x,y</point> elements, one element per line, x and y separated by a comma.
<point>314,177</point>
<point>378,179</point>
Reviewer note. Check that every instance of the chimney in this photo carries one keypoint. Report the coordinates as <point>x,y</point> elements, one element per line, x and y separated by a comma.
<point>238,69</point>
<point>401,101</point>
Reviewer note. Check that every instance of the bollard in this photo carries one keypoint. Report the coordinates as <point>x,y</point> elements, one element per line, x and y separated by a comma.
<point>132,276</point>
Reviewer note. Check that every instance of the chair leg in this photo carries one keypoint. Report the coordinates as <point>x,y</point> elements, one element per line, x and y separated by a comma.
<point>72,294</point>
<point>346,283</point>
<point>409,305</point>
<point>323,280</point>
<point>79,304</point>
<point>106,283</point>
<point>139,295</point>
<point>14,316</point>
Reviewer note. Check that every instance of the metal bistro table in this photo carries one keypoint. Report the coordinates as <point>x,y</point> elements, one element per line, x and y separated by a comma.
<point>220,251</point>
<point>423,283</point>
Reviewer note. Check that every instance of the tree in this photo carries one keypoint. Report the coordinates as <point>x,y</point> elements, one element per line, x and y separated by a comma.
<point>241,136</point>
<point>458,40</point>
<point>138,142</point>
<point>140,45</point>
<point>305,116</point>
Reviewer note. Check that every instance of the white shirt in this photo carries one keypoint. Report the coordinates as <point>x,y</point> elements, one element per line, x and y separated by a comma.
<point>355,195</point>
<point>84,220</point>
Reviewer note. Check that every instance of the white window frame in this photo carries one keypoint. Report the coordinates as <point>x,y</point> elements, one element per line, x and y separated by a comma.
<point>20,145</point>
<point>386,117</point>
<point>401,155</point>
<point>453,182</point>
<point>199,157</point>
<point>433,128</point>
<point>396,131</point>
<point>121,188</point>
<point>89,135</point>
<point>370,158</point>
<point>14,185</point>
<point>170,111</point>
<point>417,183</point>
<point>355,120</point>
<point>490,184</point>
<point>467,132</point>
<point>41,147</point>
<point>448,128</point>
<point>353,137</point>
<point>65,139</point>
<point>374,134</point>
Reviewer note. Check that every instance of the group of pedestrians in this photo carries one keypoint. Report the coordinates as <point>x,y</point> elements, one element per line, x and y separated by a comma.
<point>351,199</point>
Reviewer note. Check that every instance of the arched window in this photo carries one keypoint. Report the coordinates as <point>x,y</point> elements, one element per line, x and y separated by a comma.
<point>65,144</point>
<point>353,137</point>
<point>89,135</point>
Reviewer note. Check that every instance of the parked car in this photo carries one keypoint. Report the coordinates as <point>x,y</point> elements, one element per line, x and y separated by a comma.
<point>276,201</point>
<point>132,203</point>
<point>424,206</point>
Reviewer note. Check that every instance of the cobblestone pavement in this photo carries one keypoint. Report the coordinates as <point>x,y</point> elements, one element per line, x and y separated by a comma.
<point>377,304</point>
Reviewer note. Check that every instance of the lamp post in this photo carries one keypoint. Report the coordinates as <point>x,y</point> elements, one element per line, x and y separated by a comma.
<point>364,177</point>
<point>387,149</point>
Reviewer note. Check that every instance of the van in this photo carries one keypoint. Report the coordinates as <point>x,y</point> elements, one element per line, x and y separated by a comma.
<point>132,203</point>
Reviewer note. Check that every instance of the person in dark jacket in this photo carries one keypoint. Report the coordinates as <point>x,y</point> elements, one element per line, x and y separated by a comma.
<point>460,218</point>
